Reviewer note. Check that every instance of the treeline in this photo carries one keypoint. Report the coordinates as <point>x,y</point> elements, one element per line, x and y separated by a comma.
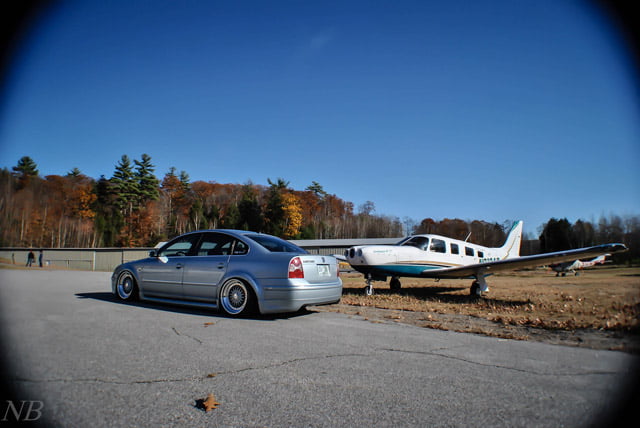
<point>135,208</point>
<point>478,232</point>
<point>560,234</point>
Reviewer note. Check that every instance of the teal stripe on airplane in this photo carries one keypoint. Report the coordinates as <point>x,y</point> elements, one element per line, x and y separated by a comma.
<point>404,269</point>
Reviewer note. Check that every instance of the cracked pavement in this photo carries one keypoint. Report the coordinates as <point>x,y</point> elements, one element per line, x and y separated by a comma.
<point>93,360</point>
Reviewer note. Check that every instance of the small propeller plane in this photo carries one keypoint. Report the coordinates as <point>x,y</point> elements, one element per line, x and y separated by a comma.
<point>439,257</point>
<point>574,266</point>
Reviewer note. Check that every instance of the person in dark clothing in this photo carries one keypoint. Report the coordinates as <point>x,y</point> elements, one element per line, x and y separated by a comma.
<point>30,258</point>
<point>40,258</point>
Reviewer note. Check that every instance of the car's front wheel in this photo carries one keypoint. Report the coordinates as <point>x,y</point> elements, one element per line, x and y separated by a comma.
<point>126,287</point>
<point>235,297</point>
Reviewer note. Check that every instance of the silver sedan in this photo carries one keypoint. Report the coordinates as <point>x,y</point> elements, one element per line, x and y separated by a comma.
<point>237,271</point>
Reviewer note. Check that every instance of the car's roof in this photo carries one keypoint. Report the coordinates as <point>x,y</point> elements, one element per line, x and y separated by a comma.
<point>231,231</point>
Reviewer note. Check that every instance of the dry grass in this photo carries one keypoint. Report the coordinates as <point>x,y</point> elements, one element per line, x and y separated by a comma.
<point>602,298</point>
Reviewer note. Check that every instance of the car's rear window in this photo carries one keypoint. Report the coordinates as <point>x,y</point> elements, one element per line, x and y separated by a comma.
<point>276,245</point>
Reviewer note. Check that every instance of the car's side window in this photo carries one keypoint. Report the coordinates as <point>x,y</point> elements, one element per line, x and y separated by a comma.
<point>215,244</point>
<point>180,247</point>
<point>240,248</point>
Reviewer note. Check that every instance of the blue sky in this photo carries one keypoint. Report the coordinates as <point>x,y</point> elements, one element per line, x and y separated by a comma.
<point>494,110</point>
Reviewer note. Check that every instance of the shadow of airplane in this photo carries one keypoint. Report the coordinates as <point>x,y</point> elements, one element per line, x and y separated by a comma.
<point>439,294</point>
<point>186,308</point>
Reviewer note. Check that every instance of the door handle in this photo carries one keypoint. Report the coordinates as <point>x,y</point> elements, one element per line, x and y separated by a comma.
<point>179,266</point>
<point>220,265</point>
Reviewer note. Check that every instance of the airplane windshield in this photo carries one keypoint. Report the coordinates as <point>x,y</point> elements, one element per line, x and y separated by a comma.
<point>420,242</point>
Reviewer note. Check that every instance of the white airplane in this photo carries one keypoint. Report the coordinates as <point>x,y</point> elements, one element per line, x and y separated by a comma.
<point>573,267</point>
<point>434,256</point>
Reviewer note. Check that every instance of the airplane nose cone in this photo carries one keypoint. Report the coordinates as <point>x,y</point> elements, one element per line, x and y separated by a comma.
<point>353,253</point>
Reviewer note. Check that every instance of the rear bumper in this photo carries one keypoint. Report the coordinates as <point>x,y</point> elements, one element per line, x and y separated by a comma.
<point>291,298</point>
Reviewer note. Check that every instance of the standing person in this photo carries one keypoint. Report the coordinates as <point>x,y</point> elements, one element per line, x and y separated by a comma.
<point>30,258</point>
<point>40,257</point>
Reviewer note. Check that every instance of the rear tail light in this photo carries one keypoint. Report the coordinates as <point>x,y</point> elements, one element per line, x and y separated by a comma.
<point>295,268</point>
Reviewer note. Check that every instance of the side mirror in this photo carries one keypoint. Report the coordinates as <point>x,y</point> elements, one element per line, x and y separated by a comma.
<point>153,253</point>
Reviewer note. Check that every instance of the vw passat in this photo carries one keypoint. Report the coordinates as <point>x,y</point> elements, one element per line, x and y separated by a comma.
<point>235,270</point>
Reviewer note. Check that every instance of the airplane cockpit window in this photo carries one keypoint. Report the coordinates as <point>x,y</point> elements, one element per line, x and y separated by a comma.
<point>421,242</point>
<point>438,246</point>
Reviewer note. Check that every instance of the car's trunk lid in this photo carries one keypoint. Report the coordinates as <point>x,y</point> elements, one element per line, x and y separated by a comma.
<point>317,269</point>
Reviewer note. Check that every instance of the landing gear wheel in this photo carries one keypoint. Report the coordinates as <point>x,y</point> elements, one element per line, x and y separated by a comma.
<point>368,290</point>
<point>126,287</point>
<point>395,284</point>
<point>234,297</point>
<point>475,289</point>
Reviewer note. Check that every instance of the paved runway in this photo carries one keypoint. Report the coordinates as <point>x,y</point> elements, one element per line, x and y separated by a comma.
<point>92,361</point>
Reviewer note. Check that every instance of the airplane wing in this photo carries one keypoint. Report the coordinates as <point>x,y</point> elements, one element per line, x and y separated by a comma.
<point>525,261</point>
<point>340,257</point>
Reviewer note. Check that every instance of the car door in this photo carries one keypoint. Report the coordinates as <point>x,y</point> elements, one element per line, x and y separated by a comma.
<point>162,276</point>
<point>203,272</point>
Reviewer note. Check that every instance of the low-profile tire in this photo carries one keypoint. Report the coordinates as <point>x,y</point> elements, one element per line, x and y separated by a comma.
<point>126,287</point>
<point>236,297</point>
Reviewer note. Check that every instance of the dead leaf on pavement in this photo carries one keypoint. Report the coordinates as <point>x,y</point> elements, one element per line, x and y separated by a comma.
<point>208,403</point>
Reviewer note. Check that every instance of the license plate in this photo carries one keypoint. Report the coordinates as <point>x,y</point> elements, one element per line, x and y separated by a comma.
<point>323,270</point>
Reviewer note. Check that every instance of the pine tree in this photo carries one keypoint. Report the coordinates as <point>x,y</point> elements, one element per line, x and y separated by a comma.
<point>250,214</point>
<point>108,220</point>
<point>184,181</point>
<point>317,189</point>
<point>75,172</point>
<point>125,186</point>
<point>148,189</point>
<point>274,213</point>
<point>26,169</point>
<point>231,218</point>
<point>26,166</point>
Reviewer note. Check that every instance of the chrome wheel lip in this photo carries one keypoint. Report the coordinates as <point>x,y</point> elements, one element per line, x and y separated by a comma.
<point>234,297</point>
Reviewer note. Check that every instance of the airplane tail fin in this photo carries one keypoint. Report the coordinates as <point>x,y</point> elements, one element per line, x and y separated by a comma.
<point>511,247</point>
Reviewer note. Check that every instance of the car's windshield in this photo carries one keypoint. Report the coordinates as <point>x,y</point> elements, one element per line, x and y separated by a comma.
<point>275,245</point>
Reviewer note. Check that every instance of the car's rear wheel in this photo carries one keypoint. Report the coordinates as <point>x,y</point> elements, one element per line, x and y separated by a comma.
<point>126,287</point>
<point>235,297</point>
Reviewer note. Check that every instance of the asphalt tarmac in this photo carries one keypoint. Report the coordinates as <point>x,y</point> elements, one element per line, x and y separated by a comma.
<point>80,358</point>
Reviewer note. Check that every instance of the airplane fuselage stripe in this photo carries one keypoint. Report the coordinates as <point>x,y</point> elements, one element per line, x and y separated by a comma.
<point>398,269</point>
